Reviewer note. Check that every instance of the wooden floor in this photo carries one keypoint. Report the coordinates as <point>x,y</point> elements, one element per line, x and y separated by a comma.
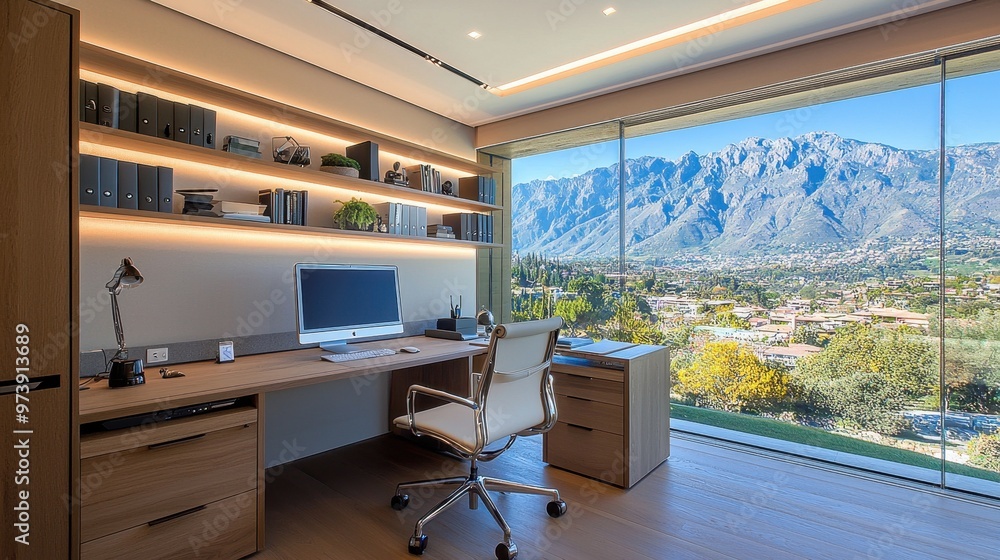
<point>706,501</point>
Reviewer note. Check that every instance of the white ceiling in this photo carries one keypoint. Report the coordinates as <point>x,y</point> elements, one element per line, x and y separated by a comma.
<point>521,38</point>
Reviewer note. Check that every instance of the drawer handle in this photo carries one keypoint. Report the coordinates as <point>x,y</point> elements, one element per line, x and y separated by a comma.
<point>173,516</point>
<point>175,442</point>
<point>579,427</point>
<point>574,397</point>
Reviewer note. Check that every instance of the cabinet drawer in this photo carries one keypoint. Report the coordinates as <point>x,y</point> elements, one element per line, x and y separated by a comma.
<point>591,414</point>
<point>589,452</point>
<point>590,388</point>
<point>223,529</point>
<point>127,488</point>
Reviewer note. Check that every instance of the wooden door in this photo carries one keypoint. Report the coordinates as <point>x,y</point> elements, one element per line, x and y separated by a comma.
<point>38,241</point>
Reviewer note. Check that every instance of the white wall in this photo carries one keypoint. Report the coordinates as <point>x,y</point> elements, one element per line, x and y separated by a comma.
<point>208,283</point>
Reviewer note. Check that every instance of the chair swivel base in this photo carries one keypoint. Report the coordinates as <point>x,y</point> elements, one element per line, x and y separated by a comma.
<point>475,487</point>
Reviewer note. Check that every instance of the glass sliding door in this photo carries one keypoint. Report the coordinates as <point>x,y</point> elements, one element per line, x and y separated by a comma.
<point>971,421</point>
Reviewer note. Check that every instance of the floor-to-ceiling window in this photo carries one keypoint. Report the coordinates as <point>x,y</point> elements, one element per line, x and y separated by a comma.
<point>789,247</point>
<point>971,275</point>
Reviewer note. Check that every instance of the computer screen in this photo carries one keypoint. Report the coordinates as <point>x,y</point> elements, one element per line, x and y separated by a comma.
<point>339,302</point>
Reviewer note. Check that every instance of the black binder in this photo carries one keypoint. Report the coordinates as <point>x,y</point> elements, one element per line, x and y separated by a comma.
<point>366,153</point>
<point>197,126</point>
<point>128,185</point>
<point>182,122</point>
<point>108,170</point>
<point>210,139</point>
<point>128,106</point>
<point>146,117</point>
<point>164,118</point>
<point>90,108</point>
<point>165,189</point>
<point>90,179</point>
<point>83,100</point>
<point>107,105</point>
<point>147,191</point>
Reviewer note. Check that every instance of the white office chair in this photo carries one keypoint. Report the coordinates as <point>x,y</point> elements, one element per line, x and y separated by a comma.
<point>512,397</point>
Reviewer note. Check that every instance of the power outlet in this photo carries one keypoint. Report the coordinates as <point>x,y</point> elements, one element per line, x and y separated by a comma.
<point>156,355</point>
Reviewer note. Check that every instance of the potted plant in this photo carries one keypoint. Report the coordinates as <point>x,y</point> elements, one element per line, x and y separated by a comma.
<point>356,214</point>
<point>341,165</point>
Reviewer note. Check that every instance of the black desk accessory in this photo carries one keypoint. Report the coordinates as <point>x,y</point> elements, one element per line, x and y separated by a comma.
<point>289,151</point>
<point>123,372</point>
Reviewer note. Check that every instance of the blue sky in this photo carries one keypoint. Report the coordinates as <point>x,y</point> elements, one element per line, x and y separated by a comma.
<point>904,119</point>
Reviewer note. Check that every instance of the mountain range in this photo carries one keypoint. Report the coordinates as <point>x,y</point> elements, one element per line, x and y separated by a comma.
<point>760,195</point>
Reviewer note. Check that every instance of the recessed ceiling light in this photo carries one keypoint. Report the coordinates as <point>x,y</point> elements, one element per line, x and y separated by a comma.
<point>475,34</point>
<point>609,10</point>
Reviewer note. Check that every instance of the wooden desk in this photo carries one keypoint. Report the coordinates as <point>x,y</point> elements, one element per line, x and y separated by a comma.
<point>195,484</point>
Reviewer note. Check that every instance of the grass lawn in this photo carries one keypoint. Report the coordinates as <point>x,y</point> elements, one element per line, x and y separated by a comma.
<point>767,427</point>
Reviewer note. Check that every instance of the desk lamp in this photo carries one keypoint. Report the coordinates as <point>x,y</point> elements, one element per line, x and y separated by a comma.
<point>123,372</point>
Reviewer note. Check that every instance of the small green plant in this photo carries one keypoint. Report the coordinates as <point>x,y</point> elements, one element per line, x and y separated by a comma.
<point>356,213</point>
<point>337,160</point>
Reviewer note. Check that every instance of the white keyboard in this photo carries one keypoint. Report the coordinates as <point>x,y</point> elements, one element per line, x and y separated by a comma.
<point>361,355</point>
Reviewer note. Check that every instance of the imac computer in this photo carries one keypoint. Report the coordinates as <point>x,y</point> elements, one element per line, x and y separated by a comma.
<point>335,303</point>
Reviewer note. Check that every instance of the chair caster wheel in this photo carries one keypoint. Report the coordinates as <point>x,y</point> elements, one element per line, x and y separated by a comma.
<point>399,501</point>
<point>556,508</point>
<point>506,551</point>
<point>418,544</point>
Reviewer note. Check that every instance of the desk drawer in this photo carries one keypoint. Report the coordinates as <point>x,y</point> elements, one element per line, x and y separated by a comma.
<point>589,452</point>
<point>196,466</point>
<point>591,414</point>
<point>589,388</point>
<point>223,529</point>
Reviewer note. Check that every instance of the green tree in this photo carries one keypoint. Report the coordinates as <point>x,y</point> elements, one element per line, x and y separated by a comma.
<point>729,377</point>
<point>729,319</point>
<point>808,292</point>
<point>984,451</point>
<point>866,376</point>
<point>807,334</point>
<point>628,325</point>
<point>575,311</point>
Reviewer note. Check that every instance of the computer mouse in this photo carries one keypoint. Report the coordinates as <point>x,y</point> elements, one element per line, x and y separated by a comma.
<point>409,349</point>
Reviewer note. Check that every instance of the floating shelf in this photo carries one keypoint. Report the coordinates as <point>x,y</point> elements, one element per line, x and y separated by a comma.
<point>121,139</point>
<point>209,222</point>
<point>111,63</point>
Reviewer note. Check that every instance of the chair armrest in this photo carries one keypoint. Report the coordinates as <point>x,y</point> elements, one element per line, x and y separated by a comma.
<point>420,389</point>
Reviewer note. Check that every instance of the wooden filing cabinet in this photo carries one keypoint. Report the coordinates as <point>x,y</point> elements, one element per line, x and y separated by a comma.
<point>614,413</point>
<point>180,488</point>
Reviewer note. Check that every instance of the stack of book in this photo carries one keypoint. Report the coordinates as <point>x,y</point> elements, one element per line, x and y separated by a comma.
<point>423,177</point>
<point>440,231</point>
<point>285,206</point>
<point>402,219</point>
<point>243,146</point>
<point>478,188</point>
<point>241,211</point>
<point>470,226</point>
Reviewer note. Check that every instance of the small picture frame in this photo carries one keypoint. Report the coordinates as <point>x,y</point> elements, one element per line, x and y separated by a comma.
<point>226,352</point>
